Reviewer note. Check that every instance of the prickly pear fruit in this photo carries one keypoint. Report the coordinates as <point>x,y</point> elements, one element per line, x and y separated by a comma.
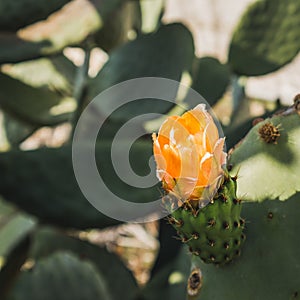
<point>214,232</point>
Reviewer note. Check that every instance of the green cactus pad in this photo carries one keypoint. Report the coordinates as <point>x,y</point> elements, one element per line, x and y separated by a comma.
<point>214,232</point>
<point>266,38</point>
<point>211,79</point>
<point>17,14</point>
<point>268,268</point>
<point>166,53</point>
<point>61,276</point>
<point>69,26</point>
<point>13,231</point>
<point>48,86</point>
<point>34,105</point>
<point>269,264</point>
<point>15,131</point>
<point>47,187</point>
<point>46,241</point>
<point>57,73</point>
<point>268,159</point>
<point>117,27</point>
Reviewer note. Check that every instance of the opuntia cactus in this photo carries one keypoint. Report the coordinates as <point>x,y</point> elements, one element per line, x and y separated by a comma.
<point>189,156</point>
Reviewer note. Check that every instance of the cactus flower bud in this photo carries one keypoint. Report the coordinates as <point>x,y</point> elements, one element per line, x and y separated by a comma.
<point>189,155</point>
<point>191,165</point>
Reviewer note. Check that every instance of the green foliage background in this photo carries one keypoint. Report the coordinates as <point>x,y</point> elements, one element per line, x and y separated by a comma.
<point>41,203</point>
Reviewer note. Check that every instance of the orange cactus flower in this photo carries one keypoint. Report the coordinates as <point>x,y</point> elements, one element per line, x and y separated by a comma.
<point>189,155</point>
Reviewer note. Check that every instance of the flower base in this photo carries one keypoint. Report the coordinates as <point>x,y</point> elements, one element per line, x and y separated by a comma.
<point>214,232</point>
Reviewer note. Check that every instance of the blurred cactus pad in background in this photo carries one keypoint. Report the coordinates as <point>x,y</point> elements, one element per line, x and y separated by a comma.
<point>55,57</point>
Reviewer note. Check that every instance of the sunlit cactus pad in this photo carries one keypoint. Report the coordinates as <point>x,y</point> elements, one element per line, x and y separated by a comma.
<point>266,38</point>
<point>269,166</point>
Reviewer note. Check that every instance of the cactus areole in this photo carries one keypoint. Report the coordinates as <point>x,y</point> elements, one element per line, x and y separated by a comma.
<point>200,194</point>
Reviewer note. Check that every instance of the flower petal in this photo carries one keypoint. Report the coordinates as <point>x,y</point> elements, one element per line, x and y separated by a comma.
<point>189,155</point>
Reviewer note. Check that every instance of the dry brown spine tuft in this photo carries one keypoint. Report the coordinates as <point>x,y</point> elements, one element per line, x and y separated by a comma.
<point>297,102</point>
<point>269,133</point>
